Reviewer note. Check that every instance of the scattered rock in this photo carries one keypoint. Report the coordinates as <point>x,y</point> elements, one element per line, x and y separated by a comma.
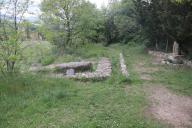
<point>175,59</point>
<point>170,59</point>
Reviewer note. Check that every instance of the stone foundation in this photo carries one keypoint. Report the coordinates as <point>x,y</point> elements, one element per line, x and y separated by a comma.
<point>103,71</point>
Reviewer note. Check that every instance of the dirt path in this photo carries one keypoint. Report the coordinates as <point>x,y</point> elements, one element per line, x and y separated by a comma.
<point>145,72</point>
<point>165,106</point>
<point>169,107</point>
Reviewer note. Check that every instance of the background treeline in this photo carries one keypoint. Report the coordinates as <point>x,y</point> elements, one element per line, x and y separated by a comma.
<point>166,21</point>
<point>77,22</point>
<point>156,23</point>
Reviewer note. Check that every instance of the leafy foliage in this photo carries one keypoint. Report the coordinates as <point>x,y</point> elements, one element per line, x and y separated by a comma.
<point>10,54</point>
<point>10,33</point>
<point>121,22</point>
<point>166,21</point>
<point>71,22</point>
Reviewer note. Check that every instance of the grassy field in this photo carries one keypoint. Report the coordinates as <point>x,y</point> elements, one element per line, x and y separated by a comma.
<point>34,101</point>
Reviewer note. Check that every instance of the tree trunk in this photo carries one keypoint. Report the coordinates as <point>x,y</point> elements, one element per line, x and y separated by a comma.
<point>15,16</point>
<point>68,32</point>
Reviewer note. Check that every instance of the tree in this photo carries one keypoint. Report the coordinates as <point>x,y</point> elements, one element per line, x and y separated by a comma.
<point>165,21</point>
<point>111,32</point>
<point>89,25</point>
<point>121,24</point>
<point>61,14</point>
<point>13,15</point>
<point>71,22</point>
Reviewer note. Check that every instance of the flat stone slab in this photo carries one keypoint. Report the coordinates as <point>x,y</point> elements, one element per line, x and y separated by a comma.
<point>64,67</point>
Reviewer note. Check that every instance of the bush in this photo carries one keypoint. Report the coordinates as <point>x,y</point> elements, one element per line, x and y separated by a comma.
<point>47,60</point>
<point>10,55</point>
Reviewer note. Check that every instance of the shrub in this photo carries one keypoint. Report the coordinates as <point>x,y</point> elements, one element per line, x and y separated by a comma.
<point>10,55</point>
<point>47,60</point>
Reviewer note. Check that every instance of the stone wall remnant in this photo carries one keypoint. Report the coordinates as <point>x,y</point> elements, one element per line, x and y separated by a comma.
<point>123,66</point>
<point>103,71</point>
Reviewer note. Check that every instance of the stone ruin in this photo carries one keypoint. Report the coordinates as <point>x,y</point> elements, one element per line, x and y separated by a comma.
<point>82,70</point>
<point>103,71</point>
<point>77,70</point>
<point>171,58</point>
<point>65,68</point>
<point>174,58</point>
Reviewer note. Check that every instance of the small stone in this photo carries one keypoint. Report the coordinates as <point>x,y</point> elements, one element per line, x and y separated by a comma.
<point>163,62</point>
<point>70,72</point>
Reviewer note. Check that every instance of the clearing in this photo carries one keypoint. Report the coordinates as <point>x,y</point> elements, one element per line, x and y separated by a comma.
<point>155,96</point>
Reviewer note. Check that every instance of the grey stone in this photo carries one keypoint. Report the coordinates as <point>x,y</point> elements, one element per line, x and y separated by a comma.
<point>175,59</point>
<point>70,72</point>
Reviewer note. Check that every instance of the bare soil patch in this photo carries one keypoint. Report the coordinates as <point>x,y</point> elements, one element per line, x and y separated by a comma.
<point>146,77</point>
<point>145,72</point>
<point>168,107</point>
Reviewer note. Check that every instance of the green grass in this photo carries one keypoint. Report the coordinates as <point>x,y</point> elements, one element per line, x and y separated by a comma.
<point>39,102</point>
<point>177,79</point>
<point>38,52</point>
<point>36,101</point>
